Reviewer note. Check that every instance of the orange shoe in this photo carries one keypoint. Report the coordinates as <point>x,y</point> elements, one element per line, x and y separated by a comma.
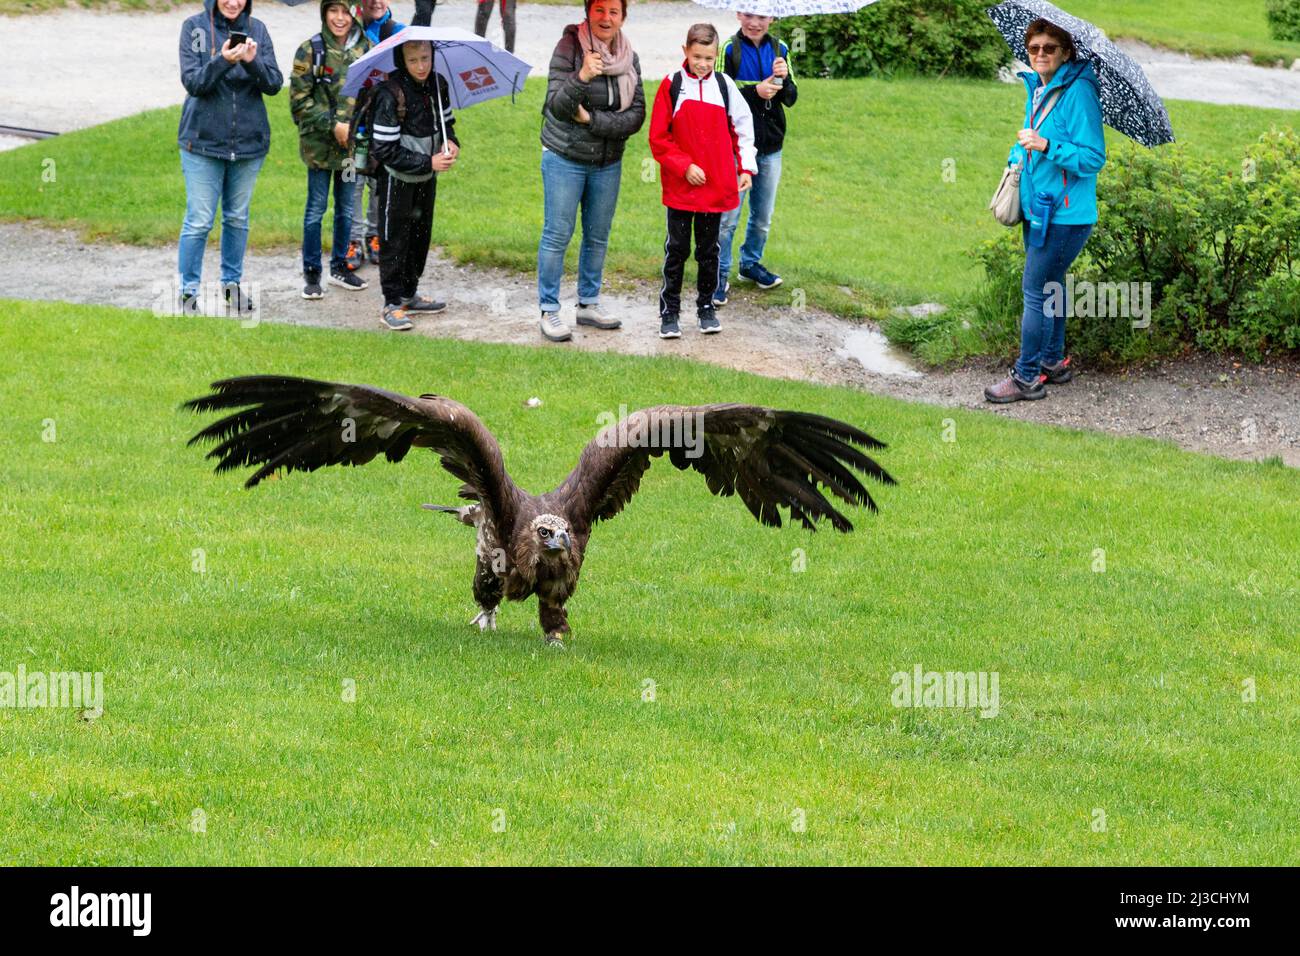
<point>372,249</point>
<point>354,258</point>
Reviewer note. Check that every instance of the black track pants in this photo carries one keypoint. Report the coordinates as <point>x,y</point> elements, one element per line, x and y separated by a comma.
<point>677,248</point>
<point>405,224</point>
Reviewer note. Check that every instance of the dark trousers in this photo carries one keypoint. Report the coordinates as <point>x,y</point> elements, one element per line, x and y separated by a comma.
<point>677,248</point>
<point>405,223</point>
<point>484,12</point>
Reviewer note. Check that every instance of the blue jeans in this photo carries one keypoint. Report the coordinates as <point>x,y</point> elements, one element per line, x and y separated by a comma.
<point>762,200</point>
<point>208,181</point>
<point>318,194</point>
<point>566,185</point>
<point>1042,330</point>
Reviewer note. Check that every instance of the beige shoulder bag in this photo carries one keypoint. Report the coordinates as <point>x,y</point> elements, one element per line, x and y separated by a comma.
<point>1006,199</point>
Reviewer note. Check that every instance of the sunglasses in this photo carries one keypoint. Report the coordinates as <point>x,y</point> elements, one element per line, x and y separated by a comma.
<point>1047,49</point>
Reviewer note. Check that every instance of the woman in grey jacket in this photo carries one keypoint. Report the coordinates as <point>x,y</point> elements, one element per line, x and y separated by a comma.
<point>224,136</point>
<point>594,102</point>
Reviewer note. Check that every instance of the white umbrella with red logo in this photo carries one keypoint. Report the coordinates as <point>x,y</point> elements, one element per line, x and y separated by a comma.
<point>476,69</point>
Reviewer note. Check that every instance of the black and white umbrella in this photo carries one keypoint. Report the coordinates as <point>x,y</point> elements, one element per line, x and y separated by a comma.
<point>787,8</point>
<point>1128,103</point>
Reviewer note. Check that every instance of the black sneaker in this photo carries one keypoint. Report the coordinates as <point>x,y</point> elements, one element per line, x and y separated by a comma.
<point>668,327</point>
<point>238,301</point>
<point>709,323</point>
<point>346,280</point>
<point>1060,373</point>
<point>311,286</point>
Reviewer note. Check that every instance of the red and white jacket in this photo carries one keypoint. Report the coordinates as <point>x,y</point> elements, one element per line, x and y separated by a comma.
<point>704,132</point>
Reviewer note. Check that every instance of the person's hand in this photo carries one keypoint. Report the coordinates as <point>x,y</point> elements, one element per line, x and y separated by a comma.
<point>592,66</point>
<point>779,67</point>
<point>695,176</point>
<point>744,182</point>
<point>341,134</point>
<point>1031,140</point>
<point>582,116</point>
<point>767,89</point>
<point>452,149</point>
<point>231,54</point>
<point>440,162</point>
<point>250,50</point>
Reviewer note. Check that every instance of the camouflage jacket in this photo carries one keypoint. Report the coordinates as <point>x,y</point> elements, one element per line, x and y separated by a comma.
<point>310,98</point>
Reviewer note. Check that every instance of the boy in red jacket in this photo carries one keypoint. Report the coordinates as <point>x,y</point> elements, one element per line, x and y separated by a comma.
<point>701,134</point>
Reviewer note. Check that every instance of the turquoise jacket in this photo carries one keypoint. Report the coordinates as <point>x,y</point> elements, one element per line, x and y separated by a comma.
<point>1076,146</point>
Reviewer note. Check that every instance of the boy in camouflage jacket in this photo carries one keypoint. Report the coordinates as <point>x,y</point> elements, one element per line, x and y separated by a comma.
<point>321,114</point>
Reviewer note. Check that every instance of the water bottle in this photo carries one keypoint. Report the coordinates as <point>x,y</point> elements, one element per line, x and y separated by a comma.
<point>1040,210</point>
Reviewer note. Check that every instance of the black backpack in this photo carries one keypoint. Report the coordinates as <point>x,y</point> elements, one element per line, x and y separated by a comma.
<point>360,125</point>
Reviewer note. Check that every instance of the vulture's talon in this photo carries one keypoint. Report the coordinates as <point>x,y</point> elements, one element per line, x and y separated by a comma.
<point>485,620</point>
<point>553,640</point>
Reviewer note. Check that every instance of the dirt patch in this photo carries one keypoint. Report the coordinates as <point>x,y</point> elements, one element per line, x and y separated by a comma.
<point>1207,404</point>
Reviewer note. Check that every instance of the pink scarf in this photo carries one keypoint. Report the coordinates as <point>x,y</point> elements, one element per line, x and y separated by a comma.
<point>617,59</point>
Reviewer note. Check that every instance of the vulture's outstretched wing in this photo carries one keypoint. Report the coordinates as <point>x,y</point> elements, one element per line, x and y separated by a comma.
<point>773,459</point>
<point>299,424</point>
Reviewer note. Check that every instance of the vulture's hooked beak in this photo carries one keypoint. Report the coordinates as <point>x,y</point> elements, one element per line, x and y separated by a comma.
<point>558,542</point>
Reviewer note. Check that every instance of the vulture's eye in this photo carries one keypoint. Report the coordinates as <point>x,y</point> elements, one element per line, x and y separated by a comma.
<point>545,532</point>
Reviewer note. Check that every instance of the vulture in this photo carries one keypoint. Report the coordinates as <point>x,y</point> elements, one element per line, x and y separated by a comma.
<point>534,544</point>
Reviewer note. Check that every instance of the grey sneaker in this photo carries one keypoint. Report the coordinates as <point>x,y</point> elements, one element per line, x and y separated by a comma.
<point>418,303</point>
<point>709,323</point>
<point>592,315</point>
<point>395,318</point>
<point>1011,389</point>
<point>554,328</point>
<point>1060,373</point>
<point>668,327</point>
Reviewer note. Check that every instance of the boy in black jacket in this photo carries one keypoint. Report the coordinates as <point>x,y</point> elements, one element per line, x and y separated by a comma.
<point>414,140</point>
<point>759,64</point>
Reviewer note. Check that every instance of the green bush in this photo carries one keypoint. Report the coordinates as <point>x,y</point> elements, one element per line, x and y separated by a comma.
<point>1284,19</point>
<point>924,37</point>
<point>1220,249</point>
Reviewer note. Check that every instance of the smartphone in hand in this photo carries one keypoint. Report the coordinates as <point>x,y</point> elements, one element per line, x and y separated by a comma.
<point>238,38</point>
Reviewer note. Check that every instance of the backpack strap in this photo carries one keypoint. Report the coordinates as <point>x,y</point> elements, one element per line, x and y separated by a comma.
<point>675,90</point>
<point>318,70</point>
<point>731,56</point>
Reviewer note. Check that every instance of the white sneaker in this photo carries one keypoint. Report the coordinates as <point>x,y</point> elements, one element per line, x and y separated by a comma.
<point>555,328</point>
<point>593,316</point>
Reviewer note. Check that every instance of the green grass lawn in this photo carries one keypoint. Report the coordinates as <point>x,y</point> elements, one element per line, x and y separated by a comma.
<point>884,187</point>
<point>1199,27</point>
<point>1119,690</point>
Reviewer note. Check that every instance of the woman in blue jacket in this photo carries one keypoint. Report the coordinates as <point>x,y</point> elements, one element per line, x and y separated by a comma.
<point>1062,147</point>
<point>224,136</point>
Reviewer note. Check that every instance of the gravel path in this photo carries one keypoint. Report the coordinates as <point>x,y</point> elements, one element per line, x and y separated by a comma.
<point>1205,404</point>
<point>125,63</point>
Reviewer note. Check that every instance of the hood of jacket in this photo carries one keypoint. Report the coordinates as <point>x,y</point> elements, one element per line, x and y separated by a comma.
<point>239,23</point>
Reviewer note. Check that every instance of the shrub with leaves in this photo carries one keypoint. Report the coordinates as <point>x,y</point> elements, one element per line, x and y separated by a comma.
<point>1284,19</point>
<point>924,37</point>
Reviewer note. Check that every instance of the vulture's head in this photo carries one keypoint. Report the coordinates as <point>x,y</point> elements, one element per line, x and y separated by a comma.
<point>551,537</point>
